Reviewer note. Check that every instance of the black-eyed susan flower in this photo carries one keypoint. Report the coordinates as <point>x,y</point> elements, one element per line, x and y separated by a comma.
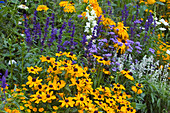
<point>33,81</point>
<point>67,102</point>
<point>81,100</point>
<point>34,69</point>
<point>139,85</point>
<point>47,59</point>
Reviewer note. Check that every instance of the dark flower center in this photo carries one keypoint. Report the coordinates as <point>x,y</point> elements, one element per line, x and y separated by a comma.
<point>87,81</point>
<point>130,73</point>
<point>77,81</point>
<point>126,69</point>
<point>66,100</point>
<point>55,68</point>
<point>119,107</point>
<point>48,96</point>
<point>120,94</point>
<point>39,86</point>
<point>111,101</point>
<point>115,89</point>
<point>94,90</point>
<point>34,79</point>
<point>51,86</point>
<point>118,85</point>
<point>75,69</point>
<point>139,85</point>
<point>32,69</point>
<point>95,111</point>
<point>48,58</point>
<point>39,97</point>
<point>131,110</point>
<point>71,54</point>
<point>128,109</point>
<point>55,63</point>
<point>100,103</point>
<point>66,65</point>
<point>35,67</point>
<point>105,58</point>
<point>99,96</point>
<point>123,41</point>
<point>81,98</point>
<point>101,59</point>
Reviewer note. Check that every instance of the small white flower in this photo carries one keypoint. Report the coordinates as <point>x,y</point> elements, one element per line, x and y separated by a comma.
<point>162,29</point>
<point>19,23</point>
<point>23,6</point>
<point>164,22</point>
<point>88,37</point>
<point>87,24</point>
<point>94,23</point>
<point>22,35</point>
<point>168,52</point>
<point>13,62</point>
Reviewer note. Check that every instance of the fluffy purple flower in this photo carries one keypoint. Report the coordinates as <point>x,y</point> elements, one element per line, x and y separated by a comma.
<point>79,16</point>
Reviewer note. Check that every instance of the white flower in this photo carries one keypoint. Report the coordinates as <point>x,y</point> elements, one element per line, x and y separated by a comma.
<point>88,36</point>
<point>86,30</point>
<point>19,23</point>
<point>23,6</point>
<point>94,23</point>
<point>87,24</point>
<point>22,34</point>
<point>163,21</point>
<point>168,52</point>
<point>13,62</point>
<point>162,29</point>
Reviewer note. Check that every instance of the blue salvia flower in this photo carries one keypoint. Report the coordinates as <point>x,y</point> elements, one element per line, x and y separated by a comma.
<point>60,36</point>
<point>73,31</point>
<point>52,19</point>
<point>137,11</point>
<point>45,30</point>
<point>34,33</point>
<point>69,24</point>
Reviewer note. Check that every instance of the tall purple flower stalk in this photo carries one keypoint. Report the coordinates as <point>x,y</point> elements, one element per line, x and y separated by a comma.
<point>3,85</point>
<point>60,36</point>
<point>27,31</point>
<point>34,33</point>
<point>45,30</point>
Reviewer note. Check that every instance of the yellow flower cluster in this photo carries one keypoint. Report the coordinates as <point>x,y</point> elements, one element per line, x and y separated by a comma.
<point>163,47</point>
<point>68,6</point>
<point>85,98</point>
<point>42,7</point>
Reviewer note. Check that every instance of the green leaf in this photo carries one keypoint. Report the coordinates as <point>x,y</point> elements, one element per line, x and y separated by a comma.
<point>160,3</point>
<point>152,96</point>
<point>67,88</point>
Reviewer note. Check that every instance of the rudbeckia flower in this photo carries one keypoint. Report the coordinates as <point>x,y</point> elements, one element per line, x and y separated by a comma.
<point>67,102</point>
<point>33,81</point>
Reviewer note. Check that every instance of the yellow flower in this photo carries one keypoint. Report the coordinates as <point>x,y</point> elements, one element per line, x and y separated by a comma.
<point>150,2</point>
<point>35,109</point>
<point>162,0</point>
<point>42,7</point>
<point>41,110</point>
<point>134,89</point>
<point>139,91</point>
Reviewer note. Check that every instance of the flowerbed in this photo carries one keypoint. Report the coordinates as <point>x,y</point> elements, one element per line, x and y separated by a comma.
<point>85,56</point>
